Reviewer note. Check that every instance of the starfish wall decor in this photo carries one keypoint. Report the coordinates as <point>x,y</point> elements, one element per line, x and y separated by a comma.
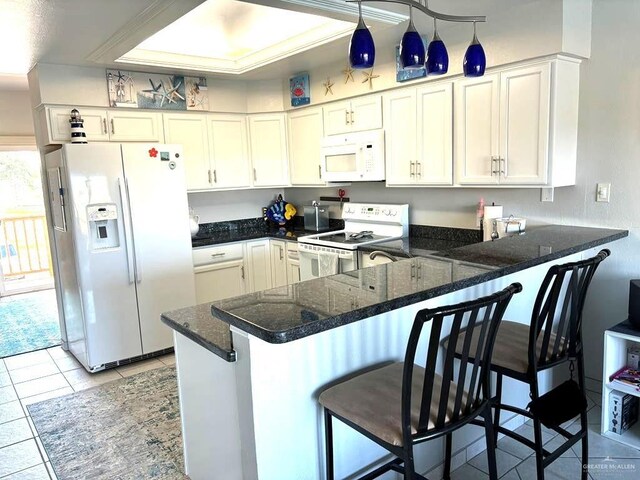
<point>348,74</point>
<point>368,77</point>
<point>327,87</point>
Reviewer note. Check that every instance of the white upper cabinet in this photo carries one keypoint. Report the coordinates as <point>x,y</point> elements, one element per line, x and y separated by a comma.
<point>362,113</point>
<point>400,125</point>
<point>190,131</point>
<point>435,134</point>
<point>101,125</point>
<point>524,124</point>
<point>132,126</point>
<point>419,138</point>
<point>59,128</point>
<point>305,137</point>
<point>518,126</point>
<point>268,150</point>
<point>476,129</point>
<point>228,145</point>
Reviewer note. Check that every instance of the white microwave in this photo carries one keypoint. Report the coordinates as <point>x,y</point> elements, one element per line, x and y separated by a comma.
<point>353,157</point>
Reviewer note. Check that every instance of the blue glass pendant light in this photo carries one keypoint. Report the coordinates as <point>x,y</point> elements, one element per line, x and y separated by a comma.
<point>411,46</point>
<point>437,56</point>
<point>475,60</point>
<point>362,51</point>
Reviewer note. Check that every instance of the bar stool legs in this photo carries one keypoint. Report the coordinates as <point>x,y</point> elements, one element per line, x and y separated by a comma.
<point>328,444</point>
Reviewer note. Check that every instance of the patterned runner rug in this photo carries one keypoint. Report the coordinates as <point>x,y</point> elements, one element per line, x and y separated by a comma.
<point>126,429</point>
<point>28,322</point>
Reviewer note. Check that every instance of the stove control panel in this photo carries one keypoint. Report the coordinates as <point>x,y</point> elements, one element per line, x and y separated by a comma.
<point>376,212</point>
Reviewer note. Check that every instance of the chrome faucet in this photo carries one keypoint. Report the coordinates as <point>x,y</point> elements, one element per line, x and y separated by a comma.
<point>375,253</point>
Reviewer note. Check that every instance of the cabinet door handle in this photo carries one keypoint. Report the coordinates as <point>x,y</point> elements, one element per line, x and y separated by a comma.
<point>281,256</point>
<point>104,126</point>
<point>412,169</point>
<point>320,172</point>
<point>209,174</point>
<point>419,169</point>
<point>113,127</point>
<point>255,175</point>
<point>215,176</point>
<point>220,254</point>
<point>503,166</point>
<point>493,169</point>
<point>242,271</point>
<point>346,117</point>
<point>352,120</point>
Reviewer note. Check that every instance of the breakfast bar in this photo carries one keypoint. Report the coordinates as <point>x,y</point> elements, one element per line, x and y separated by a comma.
<point>250,368</point>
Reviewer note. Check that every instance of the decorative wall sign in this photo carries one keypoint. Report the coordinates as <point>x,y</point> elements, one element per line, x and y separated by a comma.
<point>402,74</point>
<point>197,96</point>
<point>156,91</point>
<point>300,91</point>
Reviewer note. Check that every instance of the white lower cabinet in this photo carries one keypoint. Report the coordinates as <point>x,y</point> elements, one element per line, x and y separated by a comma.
<point>219,281</point>
<point>232,269</point>
<point>293,262</point>
<point>278,250</point>
<point>219,272</point>
<point>258,259</point>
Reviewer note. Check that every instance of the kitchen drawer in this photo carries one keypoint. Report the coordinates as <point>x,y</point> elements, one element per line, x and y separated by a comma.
<point>292,250</point>
<point>217,254</point>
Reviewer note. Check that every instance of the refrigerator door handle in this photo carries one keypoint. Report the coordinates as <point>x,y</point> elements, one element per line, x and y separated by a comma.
<point>127,233</point>
<point>137,257</point>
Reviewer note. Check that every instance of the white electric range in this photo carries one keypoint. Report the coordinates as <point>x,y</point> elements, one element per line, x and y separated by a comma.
<point>364,224</point>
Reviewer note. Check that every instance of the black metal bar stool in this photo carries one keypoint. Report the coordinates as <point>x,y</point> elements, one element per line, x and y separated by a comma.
<point>403,404</point>
<point>553,337</point>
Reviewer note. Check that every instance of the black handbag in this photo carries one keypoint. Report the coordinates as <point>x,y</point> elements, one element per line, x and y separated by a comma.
<point>559,405</point>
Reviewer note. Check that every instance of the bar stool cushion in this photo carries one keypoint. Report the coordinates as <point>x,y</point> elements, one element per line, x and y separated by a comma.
<point>510,351</point>
<point>373,401</point>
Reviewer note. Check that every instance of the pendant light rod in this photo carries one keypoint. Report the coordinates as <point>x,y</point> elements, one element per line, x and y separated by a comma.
<point>424,9</point>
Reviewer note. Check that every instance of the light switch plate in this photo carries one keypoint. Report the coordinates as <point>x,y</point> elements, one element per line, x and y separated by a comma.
<point>603,192</point>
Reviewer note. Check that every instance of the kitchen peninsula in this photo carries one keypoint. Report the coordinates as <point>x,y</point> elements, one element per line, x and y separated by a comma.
<point>250,368</point>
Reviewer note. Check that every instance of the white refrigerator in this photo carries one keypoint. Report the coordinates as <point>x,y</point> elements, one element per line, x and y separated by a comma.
<point>123,247</point>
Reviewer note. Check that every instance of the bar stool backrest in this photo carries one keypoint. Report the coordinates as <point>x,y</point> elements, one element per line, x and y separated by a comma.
<point>556,320</point>
<point>471,390</point>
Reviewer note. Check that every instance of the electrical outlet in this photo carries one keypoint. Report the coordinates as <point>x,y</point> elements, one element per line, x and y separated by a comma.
<point>603,192</point>
<point>546,194</point>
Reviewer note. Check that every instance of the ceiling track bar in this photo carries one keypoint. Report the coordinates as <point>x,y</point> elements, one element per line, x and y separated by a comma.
<point>424,9</point>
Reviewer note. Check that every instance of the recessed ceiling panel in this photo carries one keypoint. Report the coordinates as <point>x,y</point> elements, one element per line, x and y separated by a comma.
<point>230,36</point>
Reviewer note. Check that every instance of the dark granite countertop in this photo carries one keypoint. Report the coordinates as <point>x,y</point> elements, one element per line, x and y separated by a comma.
<point>199,325</point>
<point>252,228</point>
<point>296,311</point>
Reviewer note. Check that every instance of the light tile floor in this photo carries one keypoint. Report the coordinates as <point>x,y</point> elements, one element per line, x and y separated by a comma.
<point>36,376</point>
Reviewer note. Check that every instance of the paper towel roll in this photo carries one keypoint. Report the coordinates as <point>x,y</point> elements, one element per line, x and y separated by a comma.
<point>490,212</point>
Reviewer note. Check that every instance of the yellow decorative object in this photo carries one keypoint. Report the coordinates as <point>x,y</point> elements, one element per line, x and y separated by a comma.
<point>289,211</point>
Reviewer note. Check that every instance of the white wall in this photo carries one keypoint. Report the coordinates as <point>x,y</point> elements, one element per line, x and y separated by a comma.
<point>231,205</point>
<point>511,34</point>
<point>15,113</point>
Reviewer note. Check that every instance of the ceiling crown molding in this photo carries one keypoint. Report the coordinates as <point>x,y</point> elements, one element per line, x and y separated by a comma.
<point>157,15</point>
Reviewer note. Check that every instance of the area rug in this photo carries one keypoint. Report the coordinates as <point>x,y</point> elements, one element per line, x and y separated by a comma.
<point>28,322</point>
<point>126,429</point>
